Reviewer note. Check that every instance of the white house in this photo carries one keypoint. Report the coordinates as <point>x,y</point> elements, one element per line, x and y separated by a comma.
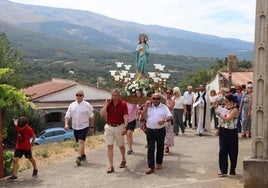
<point>52,98</point>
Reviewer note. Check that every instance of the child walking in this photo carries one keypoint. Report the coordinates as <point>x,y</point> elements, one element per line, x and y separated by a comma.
<point>23,146</point>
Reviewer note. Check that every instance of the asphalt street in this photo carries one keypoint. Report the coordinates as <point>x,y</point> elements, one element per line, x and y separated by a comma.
<point>192,162</point>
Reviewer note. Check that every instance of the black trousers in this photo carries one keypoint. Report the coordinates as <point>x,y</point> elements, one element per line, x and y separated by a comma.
<point>228,141</point>
<point>155,137</point>
<point>188,116</point>
<point>214,117</point>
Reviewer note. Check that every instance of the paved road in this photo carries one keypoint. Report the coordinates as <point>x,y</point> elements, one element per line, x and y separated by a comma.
<point>192,162</point>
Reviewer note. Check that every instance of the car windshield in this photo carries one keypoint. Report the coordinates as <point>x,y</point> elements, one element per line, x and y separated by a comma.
<point>41,133</point>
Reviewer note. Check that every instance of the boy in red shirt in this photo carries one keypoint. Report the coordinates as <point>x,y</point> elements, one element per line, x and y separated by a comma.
<point>23,146</point>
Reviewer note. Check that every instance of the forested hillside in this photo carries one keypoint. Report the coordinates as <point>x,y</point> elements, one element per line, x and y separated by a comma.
<point>101,32</point>
<point>88,66</point>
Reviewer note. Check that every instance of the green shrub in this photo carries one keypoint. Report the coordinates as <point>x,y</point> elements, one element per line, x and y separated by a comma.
<point>99,121</point>
<point>8,163</point>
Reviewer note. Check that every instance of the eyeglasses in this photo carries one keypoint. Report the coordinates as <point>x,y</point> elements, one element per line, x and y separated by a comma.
<point>168,93</point>
<point>250,87</point>
<point>156,98</point>
<point>80,95</point>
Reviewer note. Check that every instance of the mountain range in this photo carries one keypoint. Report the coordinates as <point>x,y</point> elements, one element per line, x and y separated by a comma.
<point>46,27</point>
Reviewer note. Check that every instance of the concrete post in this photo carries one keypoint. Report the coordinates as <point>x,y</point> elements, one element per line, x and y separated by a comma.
<point>256,167</point>
<point>231,63</point>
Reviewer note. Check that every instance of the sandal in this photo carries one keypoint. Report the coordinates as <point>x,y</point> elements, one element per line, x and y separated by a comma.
<point>167,149</point>
<point>123,164</point>
<point>110,170</point>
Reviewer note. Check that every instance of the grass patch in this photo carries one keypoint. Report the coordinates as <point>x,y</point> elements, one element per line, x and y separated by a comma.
<point>51,153</point>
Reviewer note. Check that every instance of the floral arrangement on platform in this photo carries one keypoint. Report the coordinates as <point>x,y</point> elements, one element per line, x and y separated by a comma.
<point>138,88</point>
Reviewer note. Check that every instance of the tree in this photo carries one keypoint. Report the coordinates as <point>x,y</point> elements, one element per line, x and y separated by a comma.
<point>195,79</point>
<point>10,95</point>
<point>205,75</point>
<point>9,59</point>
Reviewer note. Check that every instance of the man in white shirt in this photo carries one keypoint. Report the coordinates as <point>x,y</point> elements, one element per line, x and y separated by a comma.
<point>156,115</point>
<point>189,98</point>
<point>81,113</point>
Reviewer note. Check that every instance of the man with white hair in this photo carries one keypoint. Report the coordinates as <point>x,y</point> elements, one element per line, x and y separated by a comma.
<point>82,116</point>
<point>189,97</point>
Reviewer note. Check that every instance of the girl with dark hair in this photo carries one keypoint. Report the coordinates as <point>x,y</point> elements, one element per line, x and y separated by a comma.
<point>228,136</point>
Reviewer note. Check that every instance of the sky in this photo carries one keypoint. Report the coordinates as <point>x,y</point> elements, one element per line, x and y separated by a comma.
<point>222,18</point>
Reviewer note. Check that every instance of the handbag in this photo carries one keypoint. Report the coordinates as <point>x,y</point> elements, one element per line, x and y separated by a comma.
<point>144,127</point>
<point>217,133</point>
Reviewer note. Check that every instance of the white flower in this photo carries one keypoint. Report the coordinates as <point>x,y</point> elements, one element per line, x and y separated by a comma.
<point>128,93</point>
<point>137,87</point>
<point>144,92</point>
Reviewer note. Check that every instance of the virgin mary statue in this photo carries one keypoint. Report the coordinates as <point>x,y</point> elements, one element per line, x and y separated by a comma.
<point>142,54</point>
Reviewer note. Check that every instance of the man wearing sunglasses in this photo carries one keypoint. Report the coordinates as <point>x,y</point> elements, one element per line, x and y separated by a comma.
<point>81,113</point>
<point>156,115</point>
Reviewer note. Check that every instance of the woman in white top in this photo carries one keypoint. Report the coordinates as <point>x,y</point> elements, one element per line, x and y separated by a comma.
<point>178,111</point>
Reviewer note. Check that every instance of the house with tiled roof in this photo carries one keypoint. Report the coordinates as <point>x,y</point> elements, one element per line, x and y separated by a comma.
<point>52,98</point>
<point>237,78</point>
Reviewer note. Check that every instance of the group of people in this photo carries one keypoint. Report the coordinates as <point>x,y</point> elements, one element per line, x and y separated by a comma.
<point>244,98</point>
<point>81,114</point>
<point>164,119</point>
<point>165,115</point>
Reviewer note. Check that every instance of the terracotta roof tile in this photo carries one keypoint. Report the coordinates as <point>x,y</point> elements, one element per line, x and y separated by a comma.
<point>239,78</point>
<point>47,88</point>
